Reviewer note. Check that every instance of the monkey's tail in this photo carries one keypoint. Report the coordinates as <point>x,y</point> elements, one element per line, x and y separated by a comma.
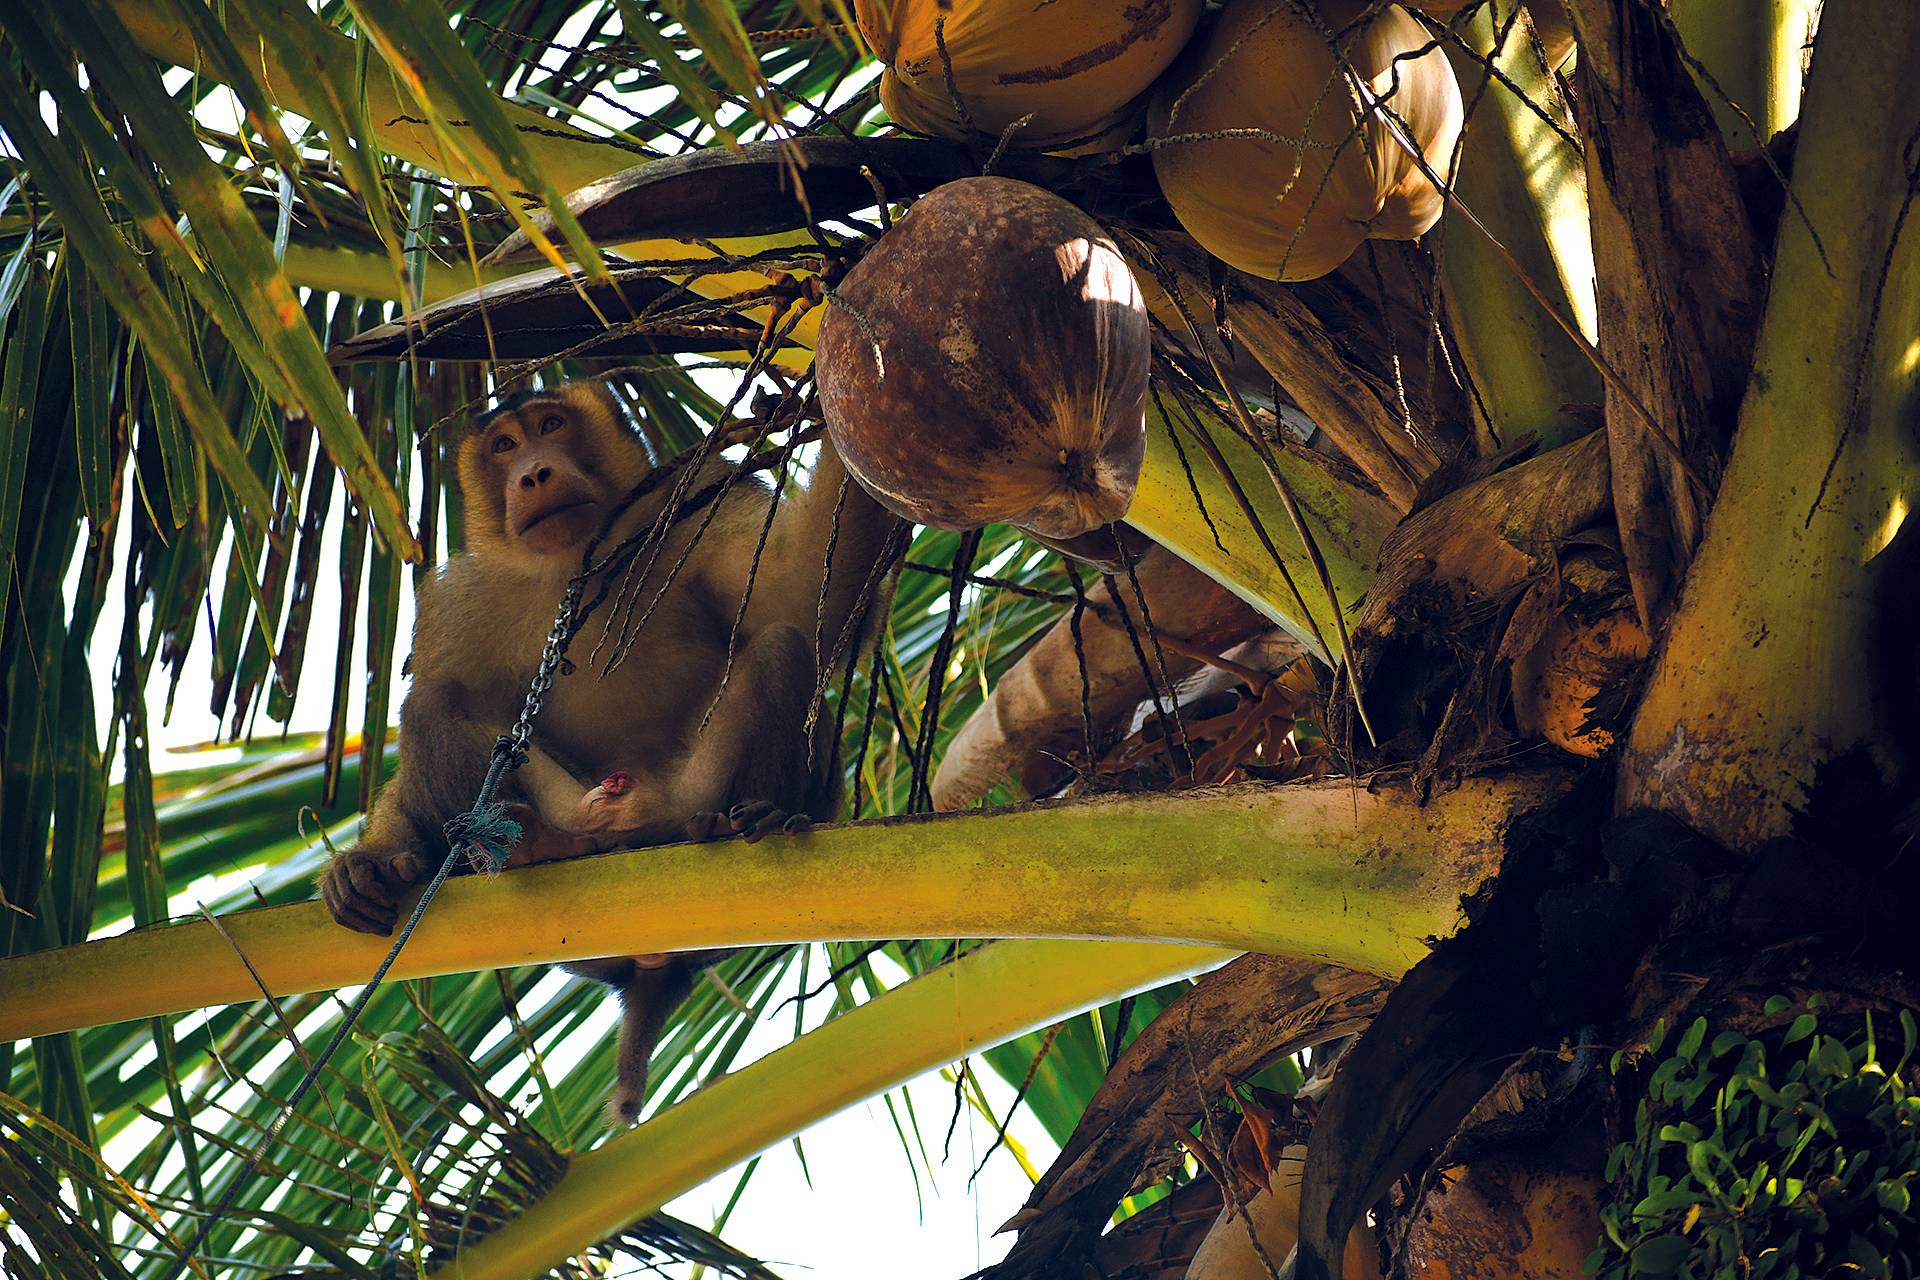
<point>647,997</point>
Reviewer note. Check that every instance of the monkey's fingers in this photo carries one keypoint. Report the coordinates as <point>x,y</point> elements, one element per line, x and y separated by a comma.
<point>363,890</point>
<point>355,910</point>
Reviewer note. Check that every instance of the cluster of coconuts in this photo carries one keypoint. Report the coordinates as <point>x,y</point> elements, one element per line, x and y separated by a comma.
<point>987,360</point>
<point>1284,132</point>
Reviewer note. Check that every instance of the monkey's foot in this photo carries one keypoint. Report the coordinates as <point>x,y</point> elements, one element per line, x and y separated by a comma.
<point>615,805</point>
<point>363,887</point>
<point>750,818</point>
<point>540,842</point>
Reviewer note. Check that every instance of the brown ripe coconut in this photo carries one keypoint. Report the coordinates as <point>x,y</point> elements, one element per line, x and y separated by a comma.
<point>986,362</point>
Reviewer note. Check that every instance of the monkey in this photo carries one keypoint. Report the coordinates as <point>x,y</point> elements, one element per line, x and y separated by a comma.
<point>703,734</point>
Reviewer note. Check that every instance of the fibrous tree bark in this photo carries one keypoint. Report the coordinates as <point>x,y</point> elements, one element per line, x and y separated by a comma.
<point>1680,283</point>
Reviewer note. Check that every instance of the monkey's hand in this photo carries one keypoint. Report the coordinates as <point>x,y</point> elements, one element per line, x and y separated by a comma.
<point>363,887</point>
<point>751,818</point>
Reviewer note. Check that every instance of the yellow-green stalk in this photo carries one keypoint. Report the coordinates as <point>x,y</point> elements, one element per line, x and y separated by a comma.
<point>1752,49</point>
<point>1527,184</point>
<point>1331,870</point>
<point>1214,534</point>
<point>984,998</point>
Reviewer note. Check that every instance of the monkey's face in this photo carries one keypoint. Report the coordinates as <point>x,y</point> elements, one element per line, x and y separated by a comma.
<point>540,474</point>
<point>532,478</point>
<point>541,462</point>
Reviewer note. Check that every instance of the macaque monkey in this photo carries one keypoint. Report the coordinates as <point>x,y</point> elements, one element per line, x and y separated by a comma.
<point>659,748</point>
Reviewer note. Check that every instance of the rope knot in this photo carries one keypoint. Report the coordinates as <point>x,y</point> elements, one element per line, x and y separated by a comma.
<point>485,834</point>
<point>509,752</point>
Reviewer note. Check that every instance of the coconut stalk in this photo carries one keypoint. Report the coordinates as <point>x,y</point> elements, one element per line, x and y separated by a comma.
<point>1752,49</point>
<point>1524,180</point>
<point>986,997</point>
<point>1771,671</point>
<point>1360,878</point>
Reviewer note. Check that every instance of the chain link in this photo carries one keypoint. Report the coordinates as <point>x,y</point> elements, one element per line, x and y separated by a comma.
<point>551,656</point>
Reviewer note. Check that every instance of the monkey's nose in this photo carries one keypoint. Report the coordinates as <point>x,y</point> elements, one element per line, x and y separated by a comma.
<point>536,476</point>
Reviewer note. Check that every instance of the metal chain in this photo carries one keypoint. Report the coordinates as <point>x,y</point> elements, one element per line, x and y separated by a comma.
<point>551,655</point>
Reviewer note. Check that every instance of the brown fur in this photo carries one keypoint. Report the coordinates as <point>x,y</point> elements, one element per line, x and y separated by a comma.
<point>478,634</point>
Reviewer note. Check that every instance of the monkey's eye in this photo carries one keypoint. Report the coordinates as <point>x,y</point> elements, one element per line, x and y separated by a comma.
<point>502,443</point>
<point>551,423</point>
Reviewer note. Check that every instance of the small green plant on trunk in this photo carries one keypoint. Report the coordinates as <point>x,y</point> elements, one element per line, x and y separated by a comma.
<point>1784,1155</point>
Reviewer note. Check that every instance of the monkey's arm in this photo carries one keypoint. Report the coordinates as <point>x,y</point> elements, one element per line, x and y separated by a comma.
<point>832,511</point>
<point>445,750</point>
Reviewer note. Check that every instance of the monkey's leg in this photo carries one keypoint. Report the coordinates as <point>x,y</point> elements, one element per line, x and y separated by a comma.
<point>540,841</point>
<point>551,821</point>
<point>750,757</point>
<point>751,773</point>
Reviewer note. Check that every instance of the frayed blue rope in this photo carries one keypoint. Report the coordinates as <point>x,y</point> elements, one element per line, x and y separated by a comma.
<point>486,835</point>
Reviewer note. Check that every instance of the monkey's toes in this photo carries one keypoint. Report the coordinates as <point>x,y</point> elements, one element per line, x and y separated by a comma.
<point>709,826</point>
<point>617,782</point>
<point>757,818</point>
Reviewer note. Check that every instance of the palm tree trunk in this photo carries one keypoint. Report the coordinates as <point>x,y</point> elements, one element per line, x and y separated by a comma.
<point>1772,673</point>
